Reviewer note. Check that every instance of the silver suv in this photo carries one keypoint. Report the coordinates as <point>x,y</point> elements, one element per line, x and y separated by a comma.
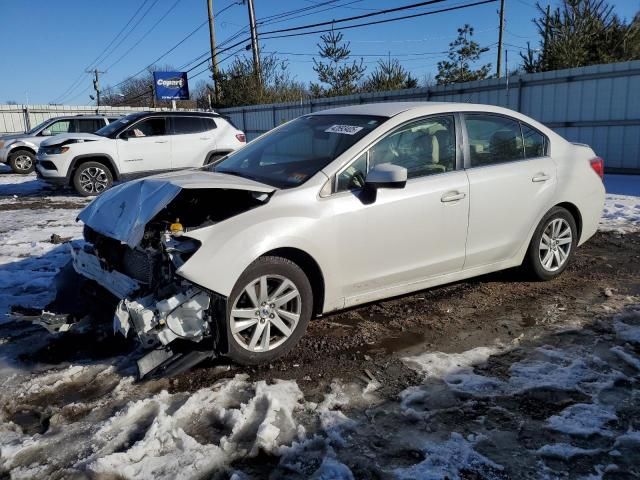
<point>19,150</point>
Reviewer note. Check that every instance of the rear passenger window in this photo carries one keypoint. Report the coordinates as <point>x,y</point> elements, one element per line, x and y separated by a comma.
<point>209,124</point>
<point>493,140</point>
<point>88,125</point>
<point>186,125</point>
<point>535,144</point>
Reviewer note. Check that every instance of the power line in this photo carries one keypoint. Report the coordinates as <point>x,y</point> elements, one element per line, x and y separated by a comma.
<point>358,17</point>
<point>377,22</point>
<point>175,4</point>
<point>127,34</point>
<point>73,84</point>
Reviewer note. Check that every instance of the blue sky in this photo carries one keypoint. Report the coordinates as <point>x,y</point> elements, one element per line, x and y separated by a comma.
<point>45,56</point>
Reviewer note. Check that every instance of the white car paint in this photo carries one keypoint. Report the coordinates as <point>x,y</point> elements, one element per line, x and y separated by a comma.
<point>371,252</point>
<point>430,230</point>
<point>137,156</point>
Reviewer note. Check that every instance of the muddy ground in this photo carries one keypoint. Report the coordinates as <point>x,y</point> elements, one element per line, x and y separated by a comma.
<point>368,341</point>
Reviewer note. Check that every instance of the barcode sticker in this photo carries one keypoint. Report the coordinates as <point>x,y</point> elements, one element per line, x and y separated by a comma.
<point>344,129</point>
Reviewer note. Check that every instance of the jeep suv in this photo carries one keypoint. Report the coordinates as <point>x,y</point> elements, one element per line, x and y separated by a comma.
<point>19,150</point>
<point>136,145</point>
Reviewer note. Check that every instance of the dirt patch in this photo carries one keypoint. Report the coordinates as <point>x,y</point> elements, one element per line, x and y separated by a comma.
<point>452,318</point>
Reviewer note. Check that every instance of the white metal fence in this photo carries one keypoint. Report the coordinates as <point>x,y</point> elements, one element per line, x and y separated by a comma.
<point>20,118</point>
<point>598,105</point>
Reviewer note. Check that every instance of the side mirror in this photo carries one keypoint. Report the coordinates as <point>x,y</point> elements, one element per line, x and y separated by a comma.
<point>46,132</point>
<point>386,175</point>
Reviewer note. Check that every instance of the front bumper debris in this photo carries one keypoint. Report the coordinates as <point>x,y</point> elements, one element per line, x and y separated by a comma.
<point>184,316</point>
<point>88,265</point>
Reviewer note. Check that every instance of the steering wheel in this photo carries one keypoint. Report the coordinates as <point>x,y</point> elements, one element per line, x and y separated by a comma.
<point>358,179</point>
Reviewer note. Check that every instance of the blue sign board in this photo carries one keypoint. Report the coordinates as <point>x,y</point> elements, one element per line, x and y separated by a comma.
<point>171,85</point>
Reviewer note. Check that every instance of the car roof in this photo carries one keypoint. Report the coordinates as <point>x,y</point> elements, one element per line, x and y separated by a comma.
<point>391,109</point>
<point>179,114</point>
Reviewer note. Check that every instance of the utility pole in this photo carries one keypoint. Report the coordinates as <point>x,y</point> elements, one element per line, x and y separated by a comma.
<point>96,85</point>
<point>501,31</point>
<point>254,43</point>
<point>214,59</point>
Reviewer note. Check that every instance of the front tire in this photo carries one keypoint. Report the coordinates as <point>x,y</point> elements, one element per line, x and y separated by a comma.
<point>92,178</point>
<point>268,310</point>
<point>22,162</point>
<point>553,245</point>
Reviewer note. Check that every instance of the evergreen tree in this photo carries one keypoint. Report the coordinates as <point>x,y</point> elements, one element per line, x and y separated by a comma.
<point>389,75</point>
<point>463,52</point>
<point>580,33</point>
<point>337,72</point>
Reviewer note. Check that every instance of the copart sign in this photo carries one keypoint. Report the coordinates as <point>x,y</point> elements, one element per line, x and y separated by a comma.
<point>171,85</point>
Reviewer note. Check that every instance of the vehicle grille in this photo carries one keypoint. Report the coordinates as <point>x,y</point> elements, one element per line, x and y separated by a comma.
<point>140,265</point>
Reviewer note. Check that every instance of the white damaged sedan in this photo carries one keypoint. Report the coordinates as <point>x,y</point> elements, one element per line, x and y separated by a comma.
<point>331,210</point>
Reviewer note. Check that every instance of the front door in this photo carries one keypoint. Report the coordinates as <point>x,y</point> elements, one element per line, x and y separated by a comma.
<point>407,235</point>
<point>145,147</point>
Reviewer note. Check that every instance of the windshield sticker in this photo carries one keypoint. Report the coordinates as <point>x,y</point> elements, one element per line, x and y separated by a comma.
<point>344,129</point>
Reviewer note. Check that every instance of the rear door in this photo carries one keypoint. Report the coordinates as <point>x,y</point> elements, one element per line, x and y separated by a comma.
<point>145,146</point>
<point>511,182</point>
<point>191,141</point>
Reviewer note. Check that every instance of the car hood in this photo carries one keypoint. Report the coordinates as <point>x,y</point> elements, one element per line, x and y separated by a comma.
<point>67,137</point>
<point>13,136</point>
<point>123,211</point>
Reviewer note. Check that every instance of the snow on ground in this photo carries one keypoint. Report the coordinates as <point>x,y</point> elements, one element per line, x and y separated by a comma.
<point>566,407</point>
<point>621,214</point>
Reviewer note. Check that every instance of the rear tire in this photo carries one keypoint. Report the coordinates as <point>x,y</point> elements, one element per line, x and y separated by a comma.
<point>22,161</point>
<point>92,178</point>
<point>264,325</point>
<point>552,245</point>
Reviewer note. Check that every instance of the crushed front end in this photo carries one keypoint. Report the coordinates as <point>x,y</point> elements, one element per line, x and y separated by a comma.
<point>137,261</point>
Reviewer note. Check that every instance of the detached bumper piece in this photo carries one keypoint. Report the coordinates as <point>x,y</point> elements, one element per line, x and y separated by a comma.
<point>181,316</point>
<point>168,362</point>
<point>172,324</point>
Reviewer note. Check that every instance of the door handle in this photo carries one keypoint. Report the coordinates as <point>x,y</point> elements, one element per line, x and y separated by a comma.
<point>161,141</point>
<point>452,197</point>
<point>540,177</point>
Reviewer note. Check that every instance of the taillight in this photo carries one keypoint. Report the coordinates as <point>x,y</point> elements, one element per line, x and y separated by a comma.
<point>598,166</point>
<point>241,138</point>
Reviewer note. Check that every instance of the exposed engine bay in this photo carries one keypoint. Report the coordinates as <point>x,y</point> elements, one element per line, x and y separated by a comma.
<point>156,304</point>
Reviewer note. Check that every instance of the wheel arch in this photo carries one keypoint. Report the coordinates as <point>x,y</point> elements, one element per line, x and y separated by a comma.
<point>102,158</point>
<point>215,153</point>
<point>310,267</point>
<point>17,148</point>
<point>575,213</point>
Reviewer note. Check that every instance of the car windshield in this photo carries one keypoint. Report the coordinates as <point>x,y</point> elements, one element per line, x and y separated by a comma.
<point>290,155</point>
<point>113,127</point>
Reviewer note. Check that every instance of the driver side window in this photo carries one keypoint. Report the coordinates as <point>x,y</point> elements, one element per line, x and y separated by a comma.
<point>425,147</point>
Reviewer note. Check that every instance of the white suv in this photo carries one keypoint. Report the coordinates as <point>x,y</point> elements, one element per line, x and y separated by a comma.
<point>137,145</point>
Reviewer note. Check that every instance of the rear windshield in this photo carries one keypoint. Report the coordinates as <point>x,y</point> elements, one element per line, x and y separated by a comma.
<point>290,155</point>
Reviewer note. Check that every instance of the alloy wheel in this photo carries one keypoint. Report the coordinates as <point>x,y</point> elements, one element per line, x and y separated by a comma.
<point>23,162</point>
<point>266,313</point>
<point>94,180</point>
<point>555,244</point>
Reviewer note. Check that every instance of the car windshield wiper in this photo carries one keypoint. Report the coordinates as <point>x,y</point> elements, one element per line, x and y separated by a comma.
<point>239,174</point>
